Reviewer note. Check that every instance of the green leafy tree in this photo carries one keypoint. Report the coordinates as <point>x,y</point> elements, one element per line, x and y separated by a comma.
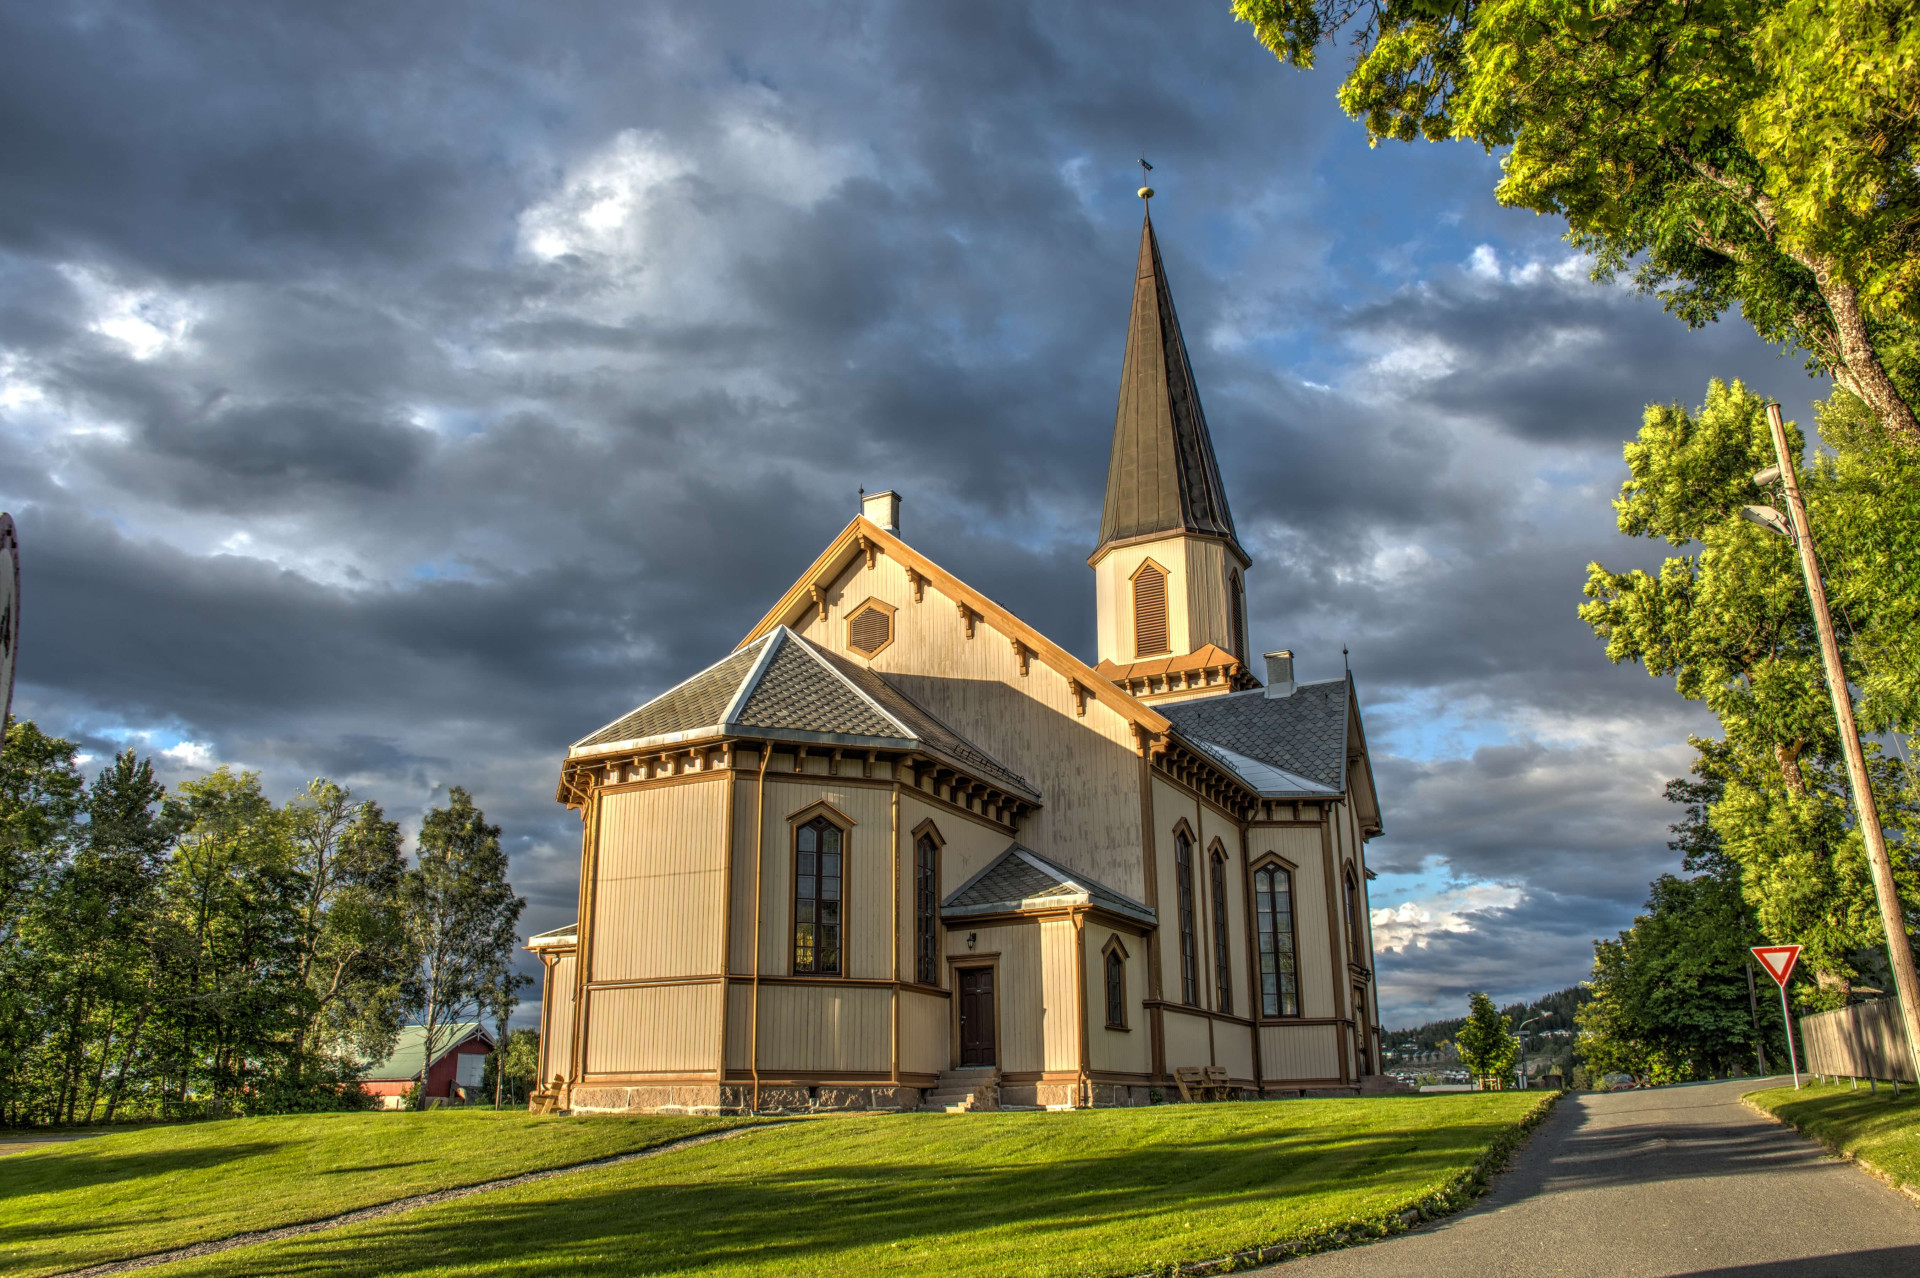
<point>461,916</point>
<point>1730,624</point>
<point>1486,1043</point>
<point>353,951</point>
<point>511,1069</point>
<point>1750,153</point>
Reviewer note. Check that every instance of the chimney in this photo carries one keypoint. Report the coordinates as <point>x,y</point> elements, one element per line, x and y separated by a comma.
<point>883,509</point>
<point>1280,673</point>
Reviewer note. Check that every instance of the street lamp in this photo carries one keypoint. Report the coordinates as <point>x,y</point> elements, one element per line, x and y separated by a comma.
<point>1899,952</point>
<point>1518,1034</point>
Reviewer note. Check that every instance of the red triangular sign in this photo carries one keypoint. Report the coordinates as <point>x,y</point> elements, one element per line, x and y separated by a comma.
<point>1778,960</point>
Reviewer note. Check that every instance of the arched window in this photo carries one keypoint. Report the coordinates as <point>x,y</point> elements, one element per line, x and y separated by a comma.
<point>1356,942</point>
<point>1222,956</point>
<point>1273,919</point>
<point>926,903</point>
<point>1189,959</point>
<point>1150,611</point>
<point>1116,968</point>
<point>1238,595</point>
<point>817,851</point>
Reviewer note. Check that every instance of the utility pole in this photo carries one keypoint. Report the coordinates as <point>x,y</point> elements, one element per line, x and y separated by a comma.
<point>1899,951</point>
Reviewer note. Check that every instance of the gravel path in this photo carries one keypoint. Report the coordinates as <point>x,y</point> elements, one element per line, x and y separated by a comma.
<point>396,1206</point>
<point>1646,1184</point>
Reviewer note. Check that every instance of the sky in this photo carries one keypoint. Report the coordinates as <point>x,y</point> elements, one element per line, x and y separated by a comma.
<point>397,393</point>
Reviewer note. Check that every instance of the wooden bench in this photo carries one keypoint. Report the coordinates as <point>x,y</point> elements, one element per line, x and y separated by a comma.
<point>1202,1082</point>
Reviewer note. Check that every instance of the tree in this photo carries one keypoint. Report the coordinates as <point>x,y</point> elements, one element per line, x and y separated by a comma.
<point>1758,153</point>
<point>460,917</point>
<point>353,944</point>
<point>512,1068</point>
<point>1730,624</point>
<point>1486,1043</point>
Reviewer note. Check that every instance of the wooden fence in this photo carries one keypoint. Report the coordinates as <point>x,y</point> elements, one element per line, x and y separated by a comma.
<point>1862,1041</point>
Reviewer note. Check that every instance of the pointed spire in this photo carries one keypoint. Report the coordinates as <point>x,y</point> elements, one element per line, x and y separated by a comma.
<point>1163,477</point>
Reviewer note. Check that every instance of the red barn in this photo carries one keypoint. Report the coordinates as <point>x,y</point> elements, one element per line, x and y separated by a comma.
<point>456,1068</point>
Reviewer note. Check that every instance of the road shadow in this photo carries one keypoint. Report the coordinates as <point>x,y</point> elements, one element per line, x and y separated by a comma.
<point>1877,1263</point>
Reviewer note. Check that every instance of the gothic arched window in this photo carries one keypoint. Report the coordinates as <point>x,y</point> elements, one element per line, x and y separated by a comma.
<point>1222,955</point>
<point>1189,958</point>
<point>1273,920</point>
<point>818,847</point>
<point>926,903</point>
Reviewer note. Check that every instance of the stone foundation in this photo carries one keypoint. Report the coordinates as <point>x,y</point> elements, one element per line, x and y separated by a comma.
<point>737,1098</point>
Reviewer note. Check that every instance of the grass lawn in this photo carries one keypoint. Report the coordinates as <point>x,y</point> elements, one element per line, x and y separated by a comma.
<point>1872,1127</point>
<point>1108,1192</point>
<point>132,1192</point>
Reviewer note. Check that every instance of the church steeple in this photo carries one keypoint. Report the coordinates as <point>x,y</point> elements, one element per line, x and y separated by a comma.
<point>1169,568</point>
<point>1163,476</point>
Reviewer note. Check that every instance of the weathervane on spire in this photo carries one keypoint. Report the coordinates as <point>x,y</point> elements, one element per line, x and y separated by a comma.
<point>1146,192</point>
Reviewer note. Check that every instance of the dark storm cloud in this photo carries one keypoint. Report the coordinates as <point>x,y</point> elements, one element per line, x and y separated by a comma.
<point>400,393</point>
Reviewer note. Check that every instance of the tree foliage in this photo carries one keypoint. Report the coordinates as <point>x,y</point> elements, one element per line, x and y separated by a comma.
<point>1730,624</point>
<point>201,951</point>
<point>1486,1043</point>
<point>1750,153</point>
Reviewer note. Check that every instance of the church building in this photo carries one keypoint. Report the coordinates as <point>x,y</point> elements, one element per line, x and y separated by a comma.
<point>899,846</point>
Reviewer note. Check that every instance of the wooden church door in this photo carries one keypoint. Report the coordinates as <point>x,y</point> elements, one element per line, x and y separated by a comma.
<point>976,1016</point>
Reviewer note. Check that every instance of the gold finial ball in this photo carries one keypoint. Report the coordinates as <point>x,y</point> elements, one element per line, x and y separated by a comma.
<point>1146,193</point>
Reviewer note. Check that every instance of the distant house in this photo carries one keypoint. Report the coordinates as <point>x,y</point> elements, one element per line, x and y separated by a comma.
<point>460,1063</point>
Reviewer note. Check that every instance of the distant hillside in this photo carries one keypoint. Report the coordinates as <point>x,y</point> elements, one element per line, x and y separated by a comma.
<point>1557,1009</point>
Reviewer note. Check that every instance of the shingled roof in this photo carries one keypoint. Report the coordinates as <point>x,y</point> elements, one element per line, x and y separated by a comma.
<point>785,686</point>
<point>1022,879</point>
<point>1301,737</point>
<point>1163,476</point>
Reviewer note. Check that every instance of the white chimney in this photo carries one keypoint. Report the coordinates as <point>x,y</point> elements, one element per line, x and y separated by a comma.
<point>882,509</point>
<point>1280,673</point>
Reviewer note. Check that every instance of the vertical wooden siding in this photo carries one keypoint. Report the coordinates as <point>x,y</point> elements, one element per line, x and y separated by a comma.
<point>1017,990</point>
<point>824,1029</point>
<point>1187,1040</point>
<point>867,919</point>
<point>1299,1051</point>
<point>1313,949</point>
<point>653,1029</point>
<point>657,906</point>
<point>1062,1019</point>
<point>924,1033</point>
<point>1130,1050</point>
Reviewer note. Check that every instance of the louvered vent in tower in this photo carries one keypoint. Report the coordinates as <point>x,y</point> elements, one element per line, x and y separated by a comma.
<point>870,628</point>
<point>1150,612</point>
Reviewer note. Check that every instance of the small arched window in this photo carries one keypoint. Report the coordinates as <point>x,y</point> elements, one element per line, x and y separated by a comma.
<point>1189,958</point>
<point>926,903</point>
<point>1150,611</point>
<point>1222,956</point>
<point>817,855</point>
<point>1273,920</point>
<point>1116,971</point>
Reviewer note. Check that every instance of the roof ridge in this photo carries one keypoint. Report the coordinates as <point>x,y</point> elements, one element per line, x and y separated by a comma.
<point>817,653</point>
<point>755,674</point>
<point>664,692</point>
<point>1085,882</point>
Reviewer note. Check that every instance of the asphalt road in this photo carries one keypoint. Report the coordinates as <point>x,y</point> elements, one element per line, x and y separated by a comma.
<point>1677,1180</point>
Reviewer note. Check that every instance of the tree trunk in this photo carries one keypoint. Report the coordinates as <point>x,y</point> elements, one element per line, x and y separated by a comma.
<point>1859,369</point>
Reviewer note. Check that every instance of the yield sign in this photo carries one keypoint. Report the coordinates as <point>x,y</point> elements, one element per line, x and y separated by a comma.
<point>1778,960</point>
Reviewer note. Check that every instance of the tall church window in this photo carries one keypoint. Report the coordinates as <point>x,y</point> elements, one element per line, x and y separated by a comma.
<point>1116,972</point>
<point>1222,957</point>
<point>1356,935</point>
<point>817,853</point>
<point>1273,920</point>
<point>1189,958</point>
<point>1150,611</point>
<point>926,887</point>
<point>1238,595</point>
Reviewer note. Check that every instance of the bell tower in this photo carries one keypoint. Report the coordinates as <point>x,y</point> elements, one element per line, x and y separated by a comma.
<point>1169,570</point>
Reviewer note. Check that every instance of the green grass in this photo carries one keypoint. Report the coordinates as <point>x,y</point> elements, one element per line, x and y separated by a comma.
<point>1109,1192</point>
<point>1872,1127</point>
<point>129,1193</point>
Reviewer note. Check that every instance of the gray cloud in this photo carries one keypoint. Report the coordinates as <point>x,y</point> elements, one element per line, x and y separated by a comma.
<point>397,394</point>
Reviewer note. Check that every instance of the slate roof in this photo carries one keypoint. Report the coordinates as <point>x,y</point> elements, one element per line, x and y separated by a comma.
<point>408,1057</point>
<point>785,685</point>
<point>1021,878</point>
<point>1304,735</point>
<point>1162,476</point>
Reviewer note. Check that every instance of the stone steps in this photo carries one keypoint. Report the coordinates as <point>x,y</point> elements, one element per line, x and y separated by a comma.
<point>961,1091</point>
